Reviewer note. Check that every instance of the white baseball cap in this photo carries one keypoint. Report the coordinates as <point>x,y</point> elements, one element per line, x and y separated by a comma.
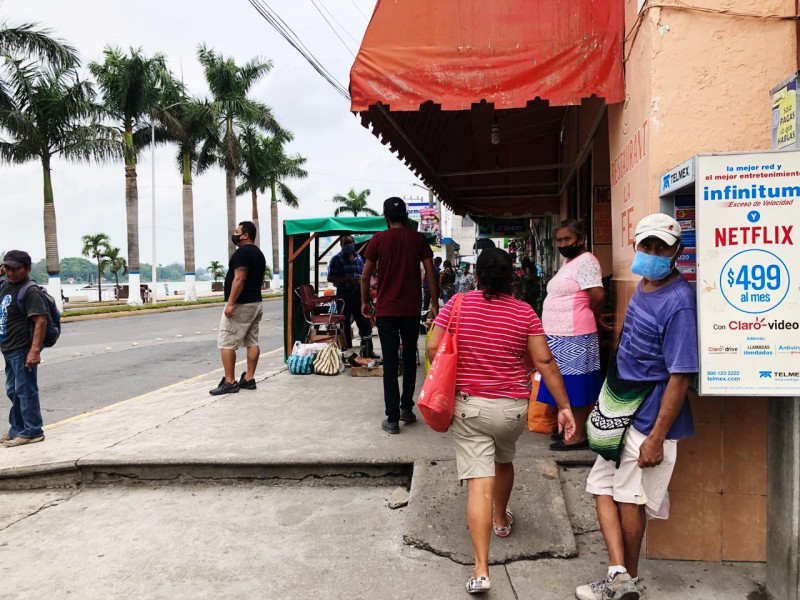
<point>658,225</point>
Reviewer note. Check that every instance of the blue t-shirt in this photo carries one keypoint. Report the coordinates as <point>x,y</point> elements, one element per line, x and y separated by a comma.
<point>660,338</point>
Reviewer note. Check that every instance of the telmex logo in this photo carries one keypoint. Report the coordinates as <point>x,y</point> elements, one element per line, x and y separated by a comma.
<point>765,374</point>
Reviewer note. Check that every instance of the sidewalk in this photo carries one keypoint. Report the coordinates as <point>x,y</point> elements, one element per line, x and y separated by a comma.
<point>283,492</point>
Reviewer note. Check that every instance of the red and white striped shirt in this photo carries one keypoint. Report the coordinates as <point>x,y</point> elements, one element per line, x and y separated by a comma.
<point>492,343</point>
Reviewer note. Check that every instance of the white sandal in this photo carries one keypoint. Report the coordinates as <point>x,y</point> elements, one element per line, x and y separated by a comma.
<point>479,585</point>
<point>504,532</point>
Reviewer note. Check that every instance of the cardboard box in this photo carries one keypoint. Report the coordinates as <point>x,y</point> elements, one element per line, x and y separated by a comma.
<point>374,372</point>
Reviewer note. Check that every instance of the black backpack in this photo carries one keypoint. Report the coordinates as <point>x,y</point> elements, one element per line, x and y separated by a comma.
<point>53,328</point>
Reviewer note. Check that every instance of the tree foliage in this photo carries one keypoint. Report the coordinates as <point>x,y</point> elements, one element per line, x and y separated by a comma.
<point>354,202</point>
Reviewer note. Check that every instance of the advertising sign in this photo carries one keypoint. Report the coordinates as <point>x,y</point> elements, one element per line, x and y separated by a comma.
<point>784,115</point>
<point>748,273</point>
<point>509,227</point>
<point>601,215</point>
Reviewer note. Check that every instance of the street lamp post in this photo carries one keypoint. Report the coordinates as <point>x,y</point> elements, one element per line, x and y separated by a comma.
<point>153,203</point>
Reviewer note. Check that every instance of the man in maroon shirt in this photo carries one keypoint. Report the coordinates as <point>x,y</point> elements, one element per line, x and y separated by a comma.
<point>398,252</point>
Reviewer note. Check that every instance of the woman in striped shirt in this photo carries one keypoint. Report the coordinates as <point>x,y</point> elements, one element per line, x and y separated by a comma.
<point>495,332</point>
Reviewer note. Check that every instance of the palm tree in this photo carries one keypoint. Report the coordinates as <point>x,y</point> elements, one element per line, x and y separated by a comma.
<point>217,270</point>
<point>269,168</point>
<point>51,112</point>
<point>132,86</point>
<point>190,122</point>
<point>230,84</point>
<point>252,171</point>
<point>95,247</point>
<point>26,41</point>
<point>116,263</point>
<point>353,202</point>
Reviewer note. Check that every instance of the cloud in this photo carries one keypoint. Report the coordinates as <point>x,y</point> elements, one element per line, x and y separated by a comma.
<point>341,153</point>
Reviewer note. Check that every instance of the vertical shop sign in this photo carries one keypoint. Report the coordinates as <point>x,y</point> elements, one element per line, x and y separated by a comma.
<point>601,214</point>
<point>748,270</point>
<point>784,115</point>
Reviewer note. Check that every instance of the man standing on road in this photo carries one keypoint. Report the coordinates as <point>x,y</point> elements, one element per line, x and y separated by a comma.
<point>398,252</point>
<point>242,314</point>
<point>21,345</point>
<point>658,348</point>
<point>344,271</point>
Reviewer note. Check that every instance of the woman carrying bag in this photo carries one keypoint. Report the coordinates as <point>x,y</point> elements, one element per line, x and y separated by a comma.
<point>495,332</point>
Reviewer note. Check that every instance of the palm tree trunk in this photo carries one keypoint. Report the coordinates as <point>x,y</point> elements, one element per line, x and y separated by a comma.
<point>99,277</point>
<point>254,200</point>
<point>51,237</point>
<point>230,188</point>
<point>273,217</point>
<point>116,283</point>
<point>132,216</point>
<point>190,293</point>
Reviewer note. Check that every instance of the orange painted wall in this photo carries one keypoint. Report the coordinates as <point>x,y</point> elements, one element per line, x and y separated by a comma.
<point>699,82</point>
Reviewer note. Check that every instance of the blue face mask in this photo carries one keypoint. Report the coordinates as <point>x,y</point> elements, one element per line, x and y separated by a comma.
<point>349,248</point>
<point>651,266</point>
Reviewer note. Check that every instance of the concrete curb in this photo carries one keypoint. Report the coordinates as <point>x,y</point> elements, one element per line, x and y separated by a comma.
<point>147,311</point>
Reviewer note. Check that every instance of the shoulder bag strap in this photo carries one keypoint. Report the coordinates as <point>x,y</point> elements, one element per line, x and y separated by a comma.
<point>457,310</point>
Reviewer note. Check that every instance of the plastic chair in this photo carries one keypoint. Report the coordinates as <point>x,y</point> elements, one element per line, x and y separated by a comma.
<point>323,314</point>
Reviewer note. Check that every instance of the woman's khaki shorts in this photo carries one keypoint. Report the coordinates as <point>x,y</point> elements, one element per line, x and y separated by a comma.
<point>485,431</point>
<point>241,329</point>
<point>630,484</point>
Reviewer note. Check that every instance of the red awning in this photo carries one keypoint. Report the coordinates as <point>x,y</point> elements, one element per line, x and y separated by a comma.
<point>457,53</point>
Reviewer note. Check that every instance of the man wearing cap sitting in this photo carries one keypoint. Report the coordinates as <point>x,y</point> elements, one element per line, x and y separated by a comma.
<point>21,345</point>
<point>657,352</point>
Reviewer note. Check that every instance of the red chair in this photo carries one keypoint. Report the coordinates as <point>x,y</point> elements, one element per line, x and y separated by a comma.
<point>323,314</point>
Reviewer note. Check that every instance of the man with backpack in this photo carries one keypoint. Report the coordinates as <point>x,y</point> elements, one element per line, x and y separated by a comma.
<point>22,336</point>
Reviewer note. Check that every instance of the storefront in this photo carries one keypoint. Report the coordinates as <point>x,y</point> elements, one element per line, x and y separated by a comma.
<point>503,114</point>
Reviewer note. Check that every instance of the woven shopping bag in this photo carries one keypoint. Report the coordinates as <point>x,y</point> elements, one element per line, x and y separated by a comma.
<point>437,401</point>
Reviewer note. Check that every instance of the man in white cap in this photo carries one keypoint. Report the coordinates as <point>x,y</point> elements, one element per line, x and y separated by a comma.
<point>655,362</point>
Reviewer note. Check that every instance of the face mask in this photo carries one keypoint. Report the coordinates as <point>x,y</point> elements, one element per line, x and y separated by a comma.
<point>651,266</point>
<point>349,248</point>
<point>570,251</point>
<point>236,239</point>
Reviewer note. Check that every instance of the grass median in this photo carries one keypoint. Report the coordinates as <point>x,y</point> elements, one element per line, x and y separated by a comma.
<point>102,310</point>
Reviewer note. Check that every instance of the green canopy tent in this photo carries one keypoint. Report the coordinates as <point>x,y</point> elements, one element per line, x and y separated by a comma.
<point>299,235</point>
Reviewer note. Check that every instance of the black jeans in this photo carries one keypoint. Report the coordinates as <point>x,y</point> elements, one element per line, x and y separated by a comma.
<point>391,330</point>
<point>352,312</point>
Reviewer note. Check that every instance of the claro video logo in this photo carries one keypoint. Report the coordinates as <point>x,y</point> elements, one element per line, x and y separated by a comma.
<point>757,324</point>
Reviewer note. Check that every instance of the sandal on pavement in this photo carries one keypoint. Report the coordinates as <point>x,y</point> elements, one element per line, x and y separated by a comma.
<point>479,585</point>
<point>504,532</point>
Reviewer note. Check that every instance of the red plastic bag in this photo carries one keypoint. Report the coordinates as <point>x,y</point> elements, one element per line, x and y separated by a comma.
<point>437,400</point>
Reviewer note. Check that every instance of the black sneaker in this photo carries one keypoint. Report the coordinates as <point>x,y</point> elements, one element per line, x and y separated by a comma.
<point>224,388</point>
<point>390,426</point>
<point>407,416</point>
<point>245,384</point>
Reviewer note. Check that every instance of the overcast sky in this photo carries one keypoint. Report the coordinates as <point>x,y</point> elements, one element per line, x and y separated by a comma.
<point>90,199</point>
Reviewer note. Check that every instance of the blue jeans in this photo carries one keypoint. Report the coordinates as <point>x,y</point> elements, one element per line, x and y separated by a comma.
<point>22,389</point>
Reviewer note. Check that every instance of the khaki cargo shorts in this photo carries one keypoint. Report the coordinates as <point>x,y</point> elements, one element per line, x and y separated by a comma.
<point>485,431</point>
<point>241,329</point>
<point>630,484</point>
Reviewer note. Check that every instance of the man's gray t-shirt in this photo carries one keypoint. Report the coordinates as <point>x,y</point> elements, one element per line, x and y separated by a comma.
<point>14,326</point>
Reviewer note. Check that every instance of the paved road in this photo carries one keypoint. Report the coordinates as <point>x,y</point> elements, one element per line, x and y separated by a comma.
<point>100,362</point>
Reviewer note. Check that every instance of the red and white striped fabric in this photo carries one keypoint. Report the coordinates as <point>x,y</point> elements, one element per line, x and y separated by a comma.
<point>492,342</point>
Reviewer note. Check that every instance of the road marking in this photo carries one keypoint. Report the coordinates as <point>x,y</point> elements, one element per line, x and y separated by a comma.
<point>144,396</point>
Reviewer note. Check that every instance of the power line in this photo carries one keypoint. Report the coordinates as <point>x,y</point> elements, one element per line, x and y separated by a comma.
<point>342,27</point>
<point>294,40</point>
<point>358,9</point>
<point>332,28</point>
